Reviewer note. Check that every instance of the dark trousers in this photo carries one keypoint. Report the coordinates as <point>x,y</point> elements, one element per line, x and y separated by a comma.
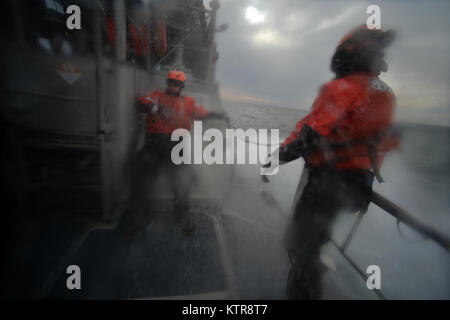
<point>326,193</point>
<point>155,160</point>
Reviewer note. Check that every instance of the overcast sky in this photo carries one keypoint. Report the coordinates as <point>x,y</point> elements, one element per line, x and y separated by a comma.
<point>279,52</point>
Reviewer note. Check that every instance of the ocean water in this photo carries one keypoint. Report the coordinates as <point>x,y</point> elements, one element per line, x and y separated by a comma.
<point>417,178</point>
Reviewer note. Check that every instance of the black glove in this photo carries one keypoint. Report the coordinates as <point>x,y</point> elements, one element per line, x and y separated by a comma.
<point>267,165</point>
<point>305,144</point>
<point>144,107</point>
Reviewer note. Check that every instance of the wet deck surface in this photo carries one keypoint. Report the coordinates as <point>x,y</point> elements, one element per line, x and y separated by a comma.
<point>236,250</point>
<point>156,260</point>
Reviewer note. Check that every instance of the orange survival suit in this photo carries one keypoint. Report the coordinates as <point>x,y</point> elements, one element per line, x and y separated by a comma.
<point>170,112</point>
<point>166,112</point>
<point>343,141</point>
<point>352,116</point>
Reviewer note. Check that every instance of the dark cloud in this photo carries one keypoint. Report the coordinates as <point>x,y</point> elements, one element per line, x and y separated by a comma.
<point>286,58</point>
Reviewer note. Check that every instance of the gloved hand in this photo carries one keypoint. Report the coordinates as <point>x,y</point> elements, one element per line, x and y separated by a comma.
<point>271,164</point>
<point>307,141</point>
<point>146,105</point>
<point>267,161</point>
<point>267,165</point>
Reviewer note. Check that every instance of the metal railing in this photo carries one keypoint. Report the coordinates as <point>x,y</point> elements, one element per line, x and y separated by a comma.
<point>411,220</point>
<point>423,228</point>
<point>402,216</point>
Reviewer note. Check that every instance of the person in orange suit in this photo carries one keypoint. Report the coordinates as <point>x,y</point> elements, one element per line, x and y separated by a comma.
<point>343,141</point>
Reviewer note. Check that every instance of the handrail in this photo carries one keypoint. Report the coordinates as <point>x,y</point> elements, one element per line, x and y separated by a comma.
<point>401,215</point>
<point>411,220</point>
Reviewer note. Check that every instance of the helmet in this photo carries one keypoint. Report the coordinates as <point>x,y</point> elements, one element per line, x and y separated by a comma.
<point>363,36</point>
<point>362,50</point>
<point>176,75</point>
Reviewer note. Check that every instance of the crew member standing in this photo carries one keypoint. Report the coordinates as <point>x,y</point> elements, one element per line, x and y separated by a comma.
<point>343,141</point>
<point>166,112</point>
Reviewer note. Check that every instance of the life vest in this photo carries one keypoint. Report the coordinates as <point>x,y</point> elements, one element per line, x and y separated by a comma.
<point>140,47</point>
<point>160,38</point>
<point>111,31</point>
<point>353,115</point>
<point>170,112</point>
